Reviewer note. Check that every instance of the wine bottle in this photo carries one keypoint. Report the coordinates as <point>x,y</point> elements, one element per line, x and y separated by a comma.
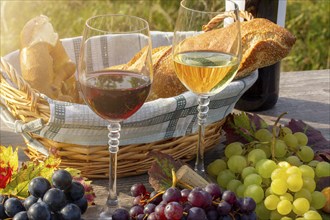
<point>264,92</point>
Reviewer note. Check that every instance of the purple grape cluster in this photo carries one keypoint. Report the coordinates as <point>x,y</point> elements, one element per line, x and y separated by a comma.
<point>63,199</point>
<point>209,203</point>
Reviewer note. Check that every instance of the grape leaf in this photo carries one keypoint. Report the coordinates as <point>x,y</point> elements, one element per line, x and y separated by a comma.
<point>241,127</point>
<point>8,164</point>
<point>18,186</point>
<point>160,172</point>
<point>20,178</point>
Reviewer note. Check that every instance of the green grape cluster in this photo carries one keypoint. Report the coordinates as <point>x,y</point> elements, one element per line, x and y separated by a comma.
<point>279,173</point>
<point>292,192</point>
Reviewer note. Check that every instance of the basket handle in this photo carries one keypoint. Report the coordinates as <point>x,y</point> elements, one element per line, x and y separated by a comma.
<point>214,21</point>
<point>19,82</point>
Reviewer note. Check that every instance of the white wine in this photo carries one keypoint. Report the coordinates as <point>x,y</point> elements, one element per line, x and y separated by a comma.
<point>205,72</point>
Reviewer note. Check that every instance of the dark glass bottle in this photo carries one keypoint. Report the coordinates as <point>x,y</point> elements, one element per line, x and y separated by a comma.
<point>263,94</point>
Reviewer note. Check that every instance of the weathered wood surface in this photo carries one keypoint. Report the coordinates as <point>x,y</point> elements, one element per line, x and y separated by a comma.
<point>304,95</point>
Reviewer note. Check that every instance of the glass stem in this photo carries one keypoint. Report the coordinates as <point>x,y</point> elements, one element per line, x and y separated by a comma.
<point>203,102</point>
<point>114,135</point>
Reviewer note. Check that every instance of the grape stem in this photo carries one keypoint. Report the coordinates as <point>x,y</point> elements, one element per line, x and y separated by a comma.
<point>174,178</point>
<point>274,134</point>
<point>185,185</point>
<point>155,196</point>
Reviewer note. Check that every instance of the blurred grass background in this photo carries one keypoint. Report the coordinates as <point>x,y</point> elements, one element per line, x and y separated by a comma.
<point>308,20</point>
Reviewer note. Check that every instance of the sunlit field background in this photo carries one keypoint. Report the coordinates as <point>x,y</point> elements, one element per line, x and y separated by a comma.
<point>308,20</point>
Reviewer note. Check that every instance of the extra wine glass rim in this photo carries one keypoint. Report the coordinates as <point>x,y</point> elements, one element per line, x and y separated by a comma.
<point>207,12</point>
<point>143,21</point>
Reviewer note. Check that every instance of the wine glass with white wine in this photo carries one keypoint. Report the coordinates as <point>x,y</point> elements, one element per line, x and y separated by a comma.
<point>113,89</point>
<point>206,58</point>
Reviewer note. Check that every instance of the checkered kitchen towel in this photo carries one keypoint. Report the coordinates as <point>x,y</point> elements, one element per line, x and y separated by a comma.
<point>156,120</point>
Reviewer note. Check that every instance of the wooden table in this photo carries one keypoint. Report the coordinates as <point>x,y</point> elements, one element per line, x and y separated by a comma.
<point>304,95</point>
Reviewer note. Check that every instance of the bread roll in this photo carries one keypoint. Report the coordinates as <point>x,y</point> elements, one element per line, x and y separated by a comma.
<point>44,62</point>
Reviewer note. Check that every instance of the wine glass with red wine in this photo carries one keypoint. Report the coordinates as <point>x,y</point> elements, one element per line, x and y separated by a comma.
<point>206,64</point>
<point>110,86</point>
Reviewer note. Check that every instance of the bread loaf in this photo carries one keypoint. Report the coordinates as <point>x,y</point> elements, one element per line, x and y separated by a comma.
<point>263,43</point>
<point>44,62</point>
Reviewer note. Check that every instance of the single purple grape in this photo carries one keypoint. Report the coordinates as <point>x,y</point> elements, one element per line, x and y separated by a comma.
<point>173,211</point>
<point>229,196</point>
<point>196,213</point>
<point>172,195</point>
<point>138,189</point>
<point>214,190</point>
<point>224,208</point>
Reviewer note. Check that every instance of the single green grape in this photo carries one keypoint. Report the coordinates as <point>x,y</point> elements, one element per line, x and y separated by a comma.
<point>271,202</point>
<point>286,196</point>
<point>265,148</point>
<point>237,163</point>
<point>279,186</point>
<point>305,154</point>
<point>303,193</point>
<point>284,207</point>
<point>274,215</point>
<point>266,168</point>
<point>235,148</point>
<point>224,177</point>
<point>268,192</point>
<point>285,130</point>
<point>322,169</point>
<point>313,163</point>
<point>281,148</point>
<point>262,212</point>
<point>285,218</point>
<point>307,171</point>
<point>293,170</point>
<point>253,178</point>
<point>312,215</point>
<point>309,184</point>
<point>233,185</point>
<point>263,135</point>
<point>302,138</point>
<point>279,173</point>
<point>294,182</point>
<point>255,192</point>
<point>300,206</point>
<point>294,160</point>
<point>318,200</point>
<point>291,141</point>
<point>216,166</point>
<point>284,164</point>
<point>248,170</point>
<point>255,155</point>
<point>240,190</point>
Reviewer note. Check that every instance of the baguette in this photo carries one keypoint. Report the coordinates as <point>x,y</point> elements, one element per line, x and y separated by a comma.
<point>263,43</point>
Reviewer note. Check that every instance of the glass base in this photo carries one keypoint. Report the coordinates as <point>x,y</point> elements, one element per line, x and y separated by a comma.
<point>107,213</point>
<point>99,213</point>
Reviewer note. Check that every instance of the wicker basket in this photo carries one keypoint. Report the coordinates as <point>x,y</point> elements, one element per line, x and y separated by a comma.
<point>25,105</point>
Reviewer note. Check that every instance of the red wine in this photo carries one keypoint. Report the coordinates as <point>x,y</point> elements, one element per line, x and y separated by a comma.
<point>115,95</point>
